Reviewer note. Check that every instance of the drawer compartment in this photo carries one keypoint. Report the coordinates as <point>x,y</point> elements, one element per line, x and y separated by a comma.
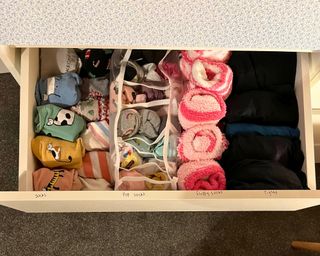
<point>67,201</point>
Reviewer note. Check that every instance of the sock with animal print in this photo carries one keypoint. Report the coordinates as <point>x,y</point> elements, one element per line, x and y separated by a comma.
<point>45,179</point>
<point>54,153</point>
<point>54,121</point>
<point>62,90</point>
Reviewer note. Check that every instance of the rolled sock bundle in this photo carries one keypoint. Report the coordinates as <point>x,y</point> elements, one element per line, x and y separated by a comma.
<point>129,123</point>
<point>57,122</point>
<point>131,185</point>
<point>93,109</point>
<point>188,57</point>
<point>45,179</point>
<point>97,136</point>
<point>95,184</point>
<point>212,76</point>
<point>212,55</point>
<point>158,176</point>
<point>202,142</point>
<point>55,153</point>
<point>62,90</point>
<point>145,122</point>
<point>200,106</point>
<point>201,175</point>
<point>150,123</point>
<point>95,165</point>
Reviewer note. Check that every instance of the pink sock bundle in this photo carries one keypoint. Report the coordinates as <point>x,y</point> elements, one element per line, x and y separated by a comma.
<point>212,76</point>
<point>209,81</point>
<point>201,175</point>
<point>200,106</point>
<point>212,55</point>
<point>202,142</point>
<point>206,69</point>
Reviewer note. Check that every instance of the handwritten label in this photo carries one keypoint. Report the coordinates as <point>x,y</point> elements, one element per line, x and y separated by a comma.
<point>40,195</point>
<point>270,193</point>
<point>208,193</point>
<point>134,195</point>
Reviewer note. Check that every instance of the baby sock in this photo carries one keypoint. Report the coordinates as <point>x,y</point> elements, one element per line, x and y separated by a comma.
<point>158,176</point>
<point>131,185</point>
<point>95,184</point>
<point>67,60</point>
<point>96,165</point>
<point>62,90</point>
<point>93,109</point>
<point>94,88</point>
<point>57,122</point>
<point>142,145</point>
<point>45,179</point>
<point>150,123</point>
<point>95,62</point>
<point>97,136</point>
<point>58,153</point>
<point>129,123</point>
<point>128,156</point>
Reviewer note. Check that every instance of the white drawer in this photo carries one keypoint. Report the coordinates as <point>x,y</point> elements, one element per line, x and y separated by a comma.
<point>82,201</point>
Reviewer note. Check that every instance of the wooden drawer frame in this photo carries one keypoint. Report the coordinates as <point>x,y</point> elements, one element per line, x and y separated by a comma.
<point>24,65</point>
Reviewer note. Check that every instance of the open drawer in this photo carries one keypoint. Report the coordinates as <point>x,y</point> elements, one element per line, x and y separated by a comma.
<point>89,201</point>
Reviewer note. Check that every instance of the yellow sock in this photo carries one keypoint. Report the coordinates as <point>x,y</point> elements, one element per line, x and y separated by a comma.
<point>54,152</point>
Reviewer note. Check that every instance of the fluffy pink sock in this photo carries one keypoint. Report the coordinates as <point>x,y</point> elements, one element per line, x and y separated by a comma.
<point>201,175</point>
<point>200,106</point>
<point>202,142</point>
<point>212,76</point>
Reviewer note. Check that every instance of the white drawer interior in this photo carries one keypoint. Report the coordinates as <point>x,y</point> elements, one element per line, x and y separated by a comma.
<point>152,200</point>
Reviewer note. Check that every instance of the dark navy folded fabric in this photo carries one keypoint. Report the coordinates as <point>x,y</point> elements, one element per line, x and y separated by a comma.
<point>262,70</point>
<point>251,174</point>
<point>267,130</point>
<point>284,150</point>
<point>264,107</point>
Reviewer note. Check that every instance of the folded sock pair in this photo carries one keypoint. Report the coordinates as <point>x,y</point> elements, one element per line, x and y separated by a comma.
<point>62,90</point>
<point>45,179</point>
<point>93,109</point>
<point>142,184</point>
<point>55,153</point>
<point>145,94</point>
<point>96,136</point>
<point>94,62</point>
<point>148,149</point>
<point>95,184</point>
<point>94,88</point>
<point>145,122</point>
<point>57,122</point>
<point>129,158</point>
<point>96,165</point>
